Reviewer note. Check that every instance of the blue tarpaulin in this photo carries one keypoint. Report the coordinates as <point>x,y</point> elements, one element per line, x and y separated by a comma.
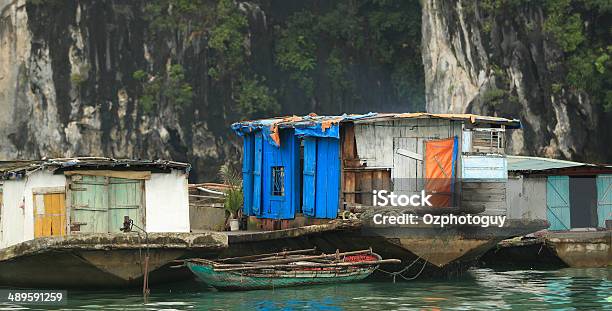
<point>306,126</point>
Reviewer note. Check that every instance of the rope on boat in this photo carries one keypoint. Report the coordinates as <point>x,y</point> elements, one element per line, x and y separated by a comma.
<point>400,272</point>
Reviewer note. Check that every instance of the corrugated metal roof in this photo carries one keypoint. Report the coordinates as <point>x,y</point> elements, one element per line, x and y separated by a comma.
<point>375,116</point>
<point>526,163</point>
<point>472,118</point>
<point>313,120</point>
<point>9,169</point>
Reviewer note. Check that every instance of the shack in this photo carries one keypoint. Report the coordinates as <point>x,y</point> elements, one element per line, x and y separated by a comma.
<point>568,194</point>
<point>576,201</point>
<point>61,197</point>
<point>319,168</point>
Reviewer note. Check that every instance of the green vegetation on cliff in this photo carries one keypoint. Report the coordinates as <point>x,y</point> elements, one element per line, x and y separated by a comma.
<point>332,44</point>
<point>581,30</point>
<point>329,53</point>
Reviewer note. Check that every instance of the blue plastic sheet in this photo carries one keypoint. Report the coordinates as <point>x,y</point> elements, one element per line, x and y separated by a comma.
<point>307,126</point>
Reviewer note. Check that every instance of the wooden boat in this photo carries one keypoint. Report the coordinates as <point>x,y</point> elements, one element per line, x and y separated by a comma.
<point>285,269</point>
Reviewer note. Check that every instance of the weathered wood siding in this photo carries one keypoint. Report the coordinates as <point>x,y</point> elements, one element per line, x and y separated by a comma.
<point>488,197</point>
<point>125,199</point>
<point>379,145</point>
<point>375,141</point>
<point>357,181</point>
<point>98,204</point>
<point>89,203</point>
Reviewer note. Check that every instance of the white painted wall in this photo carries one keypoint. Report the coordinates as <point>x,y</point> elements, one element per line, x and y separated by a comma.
<point>526,197</point>
<point>167,202</point>
<point>18,205</point>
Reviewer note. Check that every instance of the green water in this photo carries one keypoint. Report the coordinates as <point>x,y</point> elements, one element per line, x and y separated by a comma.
<point>480,289</point>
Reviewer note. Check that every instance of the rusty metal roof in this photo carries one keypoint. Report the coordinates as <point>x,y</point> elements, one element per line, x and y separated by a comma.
<point>12,168</point>
<point>313,119</point>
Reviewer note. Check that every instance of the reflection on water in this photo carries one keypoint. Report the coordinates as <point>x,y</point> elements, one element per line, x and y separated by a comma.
<point>566,289</point>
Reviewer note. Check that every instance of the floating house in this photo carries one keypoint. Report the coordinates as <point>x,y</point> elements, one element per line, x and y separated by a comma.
<point>69,214</point>
<point>576,200</point>
<point>568,194</point>
<point>318,166</point>
<point>72,196</point>
<point>324,167</point>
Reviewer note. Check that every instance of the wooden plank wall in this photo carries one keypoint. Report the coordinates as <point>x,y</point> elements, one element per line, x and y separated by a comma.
<point>368,153</point>
<point>375,141</point>
<point>358,181</point>
<point>369,162</point>
<point>476,197</point>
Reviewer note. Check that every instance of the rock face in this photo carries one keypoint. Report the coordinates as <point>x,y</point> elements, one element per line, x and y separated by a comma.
<point>68,82</point>
<point>66,88</point>
<point>504,65</point>
<point>67,85</point>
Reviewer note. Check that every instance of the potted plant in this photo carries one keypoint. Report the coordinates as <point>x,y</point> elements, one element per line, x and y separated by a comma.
<point>233,195</point>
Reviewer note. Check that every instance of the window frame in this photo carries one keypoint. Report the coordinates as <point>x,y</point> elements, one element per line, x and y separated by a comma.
<point>278,172</point>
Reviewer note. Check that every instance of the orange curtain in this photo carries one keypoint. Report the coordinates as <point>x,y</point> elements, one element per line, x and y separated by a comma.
<point>439,172</point>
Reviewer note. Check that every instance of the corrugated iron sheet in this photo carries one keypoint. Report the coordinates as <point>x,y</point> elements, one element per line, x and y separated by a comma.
<point>18,168</point>
<point>525,163</point>
<point>319,126</point>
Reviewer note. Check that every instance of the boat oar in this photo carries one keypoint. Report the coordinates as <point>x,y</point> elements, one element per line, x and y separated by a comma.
<point>255,257</point>
<point>342,264</point>
<point>304,258</point>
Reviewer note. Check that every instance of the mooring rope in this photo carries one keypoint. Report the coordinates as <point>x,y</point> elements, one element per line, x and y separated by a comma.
<point>400,272</point>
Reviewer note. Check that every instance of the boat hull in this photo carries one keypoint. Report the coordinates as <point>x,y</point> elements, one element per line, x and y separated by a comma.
<point>226,280</point>
<point>91,261</point>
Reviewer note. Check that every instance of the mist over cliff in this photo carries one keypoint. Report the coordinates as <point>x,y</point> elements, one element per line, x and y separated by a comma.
<point>166,78</point>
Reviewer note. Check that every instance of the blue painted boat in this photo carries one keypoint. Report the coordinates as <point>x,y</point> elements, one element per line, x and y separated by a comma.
<point>286,271</point>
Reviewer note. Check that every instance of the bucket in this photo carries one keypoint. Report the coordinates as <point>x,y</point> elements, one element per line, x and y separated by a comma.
<point>234,225</point>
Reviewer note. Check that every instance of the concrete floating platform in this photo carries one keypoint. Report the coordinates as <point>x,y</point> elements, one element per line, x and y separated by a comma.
<point>554,249</point>
<point>116,260</point>
<point>582,249</point>
<point>522,253</point>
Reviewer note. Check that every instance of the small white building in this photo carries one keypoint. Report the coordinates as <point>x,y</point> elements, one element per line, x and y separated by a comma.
<point>90,195</point>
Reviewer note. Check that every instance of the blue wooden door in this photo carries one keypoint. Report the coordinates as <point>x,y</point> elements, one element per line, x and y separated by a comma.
<point>257,176</point>
<point>310,166</point>
<point>275,179</point>
<point>248,154</point>
<point>558,203</point>
<point>280,175</point>
<point>327,178</point>
<point>604,199</point>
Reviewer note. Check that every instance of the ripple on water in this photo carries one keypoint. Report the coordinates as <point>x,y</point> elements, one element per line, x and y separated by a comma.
<point>482,289</point>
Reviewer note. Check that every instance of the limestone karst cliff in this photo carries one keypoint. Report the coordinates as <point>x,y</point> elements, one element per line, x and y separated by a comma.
<point>545,63</point>
<point>165,78</point>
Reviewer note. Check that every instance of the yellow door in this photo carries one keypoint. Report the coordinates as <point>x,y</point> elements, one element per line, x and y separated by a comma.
<point>49,214</point>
